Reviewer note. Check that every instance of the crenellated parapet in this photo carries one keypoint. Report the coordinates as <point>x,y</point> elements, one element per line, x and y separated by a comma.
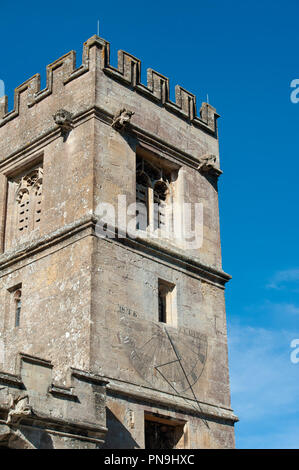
<point>127,72</point>
<point>32,85</point>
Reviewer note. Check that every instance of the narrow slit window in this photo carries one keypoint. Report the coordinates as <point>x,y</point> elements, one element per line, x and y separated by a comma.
<point>18,306</point>
<point>162,307</point>
<point>167,303</point>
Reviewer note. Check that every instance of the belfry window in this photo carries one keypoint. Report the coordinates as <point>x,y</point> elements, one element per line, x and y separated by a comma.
<point>153,195</point>
<point>160,204</point>
<point>142,200</point>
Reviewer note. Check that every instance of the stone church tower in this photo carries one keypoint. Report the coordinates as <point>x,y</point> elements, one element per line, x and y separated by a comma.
<point>110,338</point>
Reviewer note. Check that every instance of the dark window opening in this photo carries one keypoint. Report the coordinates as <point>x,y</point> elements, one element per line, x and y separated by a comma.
<point>160,435</point>
<point>162,307</point>
<point>167,311</point>
<point>142,185</point>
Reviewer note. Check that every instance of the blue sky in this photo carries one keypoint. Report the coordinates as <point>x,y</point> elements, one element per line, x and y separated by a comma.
<point>244,55</point>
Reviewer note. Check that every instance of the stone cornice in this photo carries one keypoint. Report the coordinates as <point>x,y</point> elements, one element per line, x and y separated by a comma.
<point>170,254</point>
<point>142,136</point>
<point>66,428</point>
<point>35,246</point>
<point>11,380</point>
<point>88,376</point>
<point>174,256</point>
<point>159,398</point>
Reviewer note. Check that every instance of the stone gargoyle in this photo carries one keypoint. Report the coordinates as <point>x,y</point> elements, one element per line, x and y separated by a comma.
<point>208,163</point>
<point>122,119</point>
<point>19,407</point>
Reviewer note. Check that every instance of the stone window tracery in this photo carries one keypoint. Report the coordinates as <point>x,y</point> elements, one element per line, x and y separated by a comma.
<point>153,191</point>
<point>29,200</point>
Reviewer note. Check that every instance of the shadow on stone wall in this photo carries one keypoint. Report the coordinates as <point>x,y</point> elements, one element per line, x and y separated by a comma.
<point>118,437</point>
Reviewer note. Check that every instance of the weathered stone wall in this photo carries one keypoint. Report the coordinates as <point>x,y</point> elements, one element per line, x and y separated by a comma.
<point>125,293</point>
<point>55,314</point>
<point>67,184</point>
<point>37,413</point>
<point>115,173</point>
<point>125,421</point>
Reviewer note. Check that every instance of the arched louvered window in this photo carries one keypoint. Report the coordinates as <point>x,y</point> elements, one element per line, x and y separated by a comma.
<point>142,200</point>
<point>152,190</point>
<point>23,212</point>
<point>160,204</point>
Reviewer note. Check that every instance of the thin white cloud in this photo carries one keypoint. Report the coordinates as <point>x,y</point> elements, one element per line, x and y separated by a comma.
<point>264,381</point>
<point>281,278</point>
<point>283,308</point>
<point>278,308</point>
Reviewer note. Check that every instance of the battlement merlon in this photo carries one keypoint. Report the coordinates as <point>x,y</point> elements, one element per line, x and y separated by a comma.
<point>128,72</point>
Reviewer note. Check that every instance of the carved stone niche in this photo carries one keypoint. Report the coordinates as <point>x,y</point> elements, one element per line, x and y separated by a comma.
<point>122,119</point>
<point>63,119</point>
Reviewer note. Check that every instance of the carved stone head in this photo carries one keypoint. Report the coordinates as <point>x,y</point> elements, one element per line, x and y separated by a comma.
<point>63,119</point>
<point>122,119</point>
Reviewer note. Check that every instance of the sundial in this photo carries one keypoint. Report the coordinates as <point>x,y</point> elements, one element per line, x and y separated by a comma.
<point>161,352</point>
